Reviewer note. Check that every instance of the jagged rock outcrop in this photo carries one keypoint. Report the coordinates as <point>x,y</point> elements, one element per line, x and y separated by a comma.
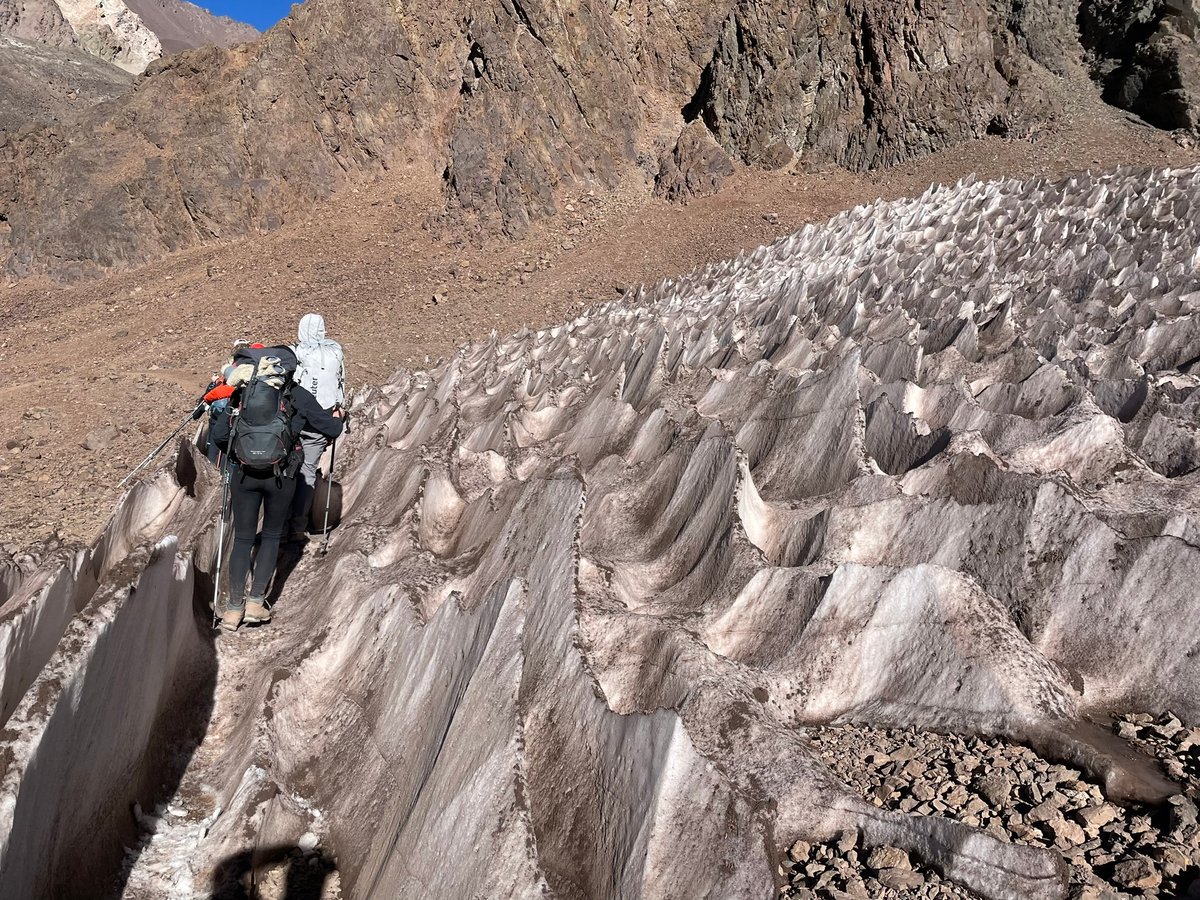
<point>866,85</point>
<point>39,21</point>
<point>113,32</point>
<point>1047,31</point>
<point>695,168</point>
<point>1144,53</point>
<point>932,465</point>
<point>514,103</point>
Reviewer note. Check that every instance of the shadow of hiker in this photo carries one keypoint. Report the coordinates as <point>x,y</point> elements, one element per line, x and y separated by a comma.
<point>254,875</point>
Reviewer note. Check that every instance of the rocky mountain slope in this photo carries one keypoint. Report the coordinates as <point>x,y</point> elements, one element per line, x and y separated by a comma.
<point>128,34</point>
<point>42,84</point>
<point>518,103</point>
<point>180,25</point>
<point>48,76</point>
<point>57,59</point>
<point>932,466</point>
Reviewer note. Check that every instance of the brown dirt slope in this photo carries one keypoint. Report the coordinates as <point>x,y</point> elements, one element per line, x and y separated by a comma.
<point>515,104</point>
<point>134,350</point>
<point>182,26</point>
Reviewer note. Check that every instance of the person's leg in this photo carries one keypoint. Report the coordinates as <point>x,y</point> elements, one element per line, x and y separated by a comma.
<point>246,498</point>
<point>277,506</point>
<point>313,446</point>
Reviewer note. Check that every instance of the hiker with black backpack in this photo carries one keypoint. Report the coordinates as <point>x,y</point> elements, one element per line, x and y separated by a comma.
<point>321,371</point>
<point>259,435</point>
<point>217,394</point>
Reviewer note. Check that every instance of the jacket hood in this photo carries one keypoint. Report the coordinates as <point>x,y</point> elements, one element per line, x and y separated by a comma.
<point>312,329</point>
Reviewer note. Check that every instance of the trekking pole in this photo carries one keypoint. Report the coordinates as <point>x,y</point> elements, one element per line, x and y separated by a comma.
<point>221,538</point>
<point>324,548</point>
<point>191,417</point>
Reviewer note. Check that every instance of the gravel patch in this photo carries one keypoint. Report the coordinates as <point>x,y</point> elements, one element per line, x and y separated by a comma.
<point>1010,792</point>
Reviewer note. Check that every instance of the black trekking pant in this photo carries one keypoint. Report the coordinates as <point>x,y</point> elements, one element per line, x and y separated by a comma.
<point>250,494</point>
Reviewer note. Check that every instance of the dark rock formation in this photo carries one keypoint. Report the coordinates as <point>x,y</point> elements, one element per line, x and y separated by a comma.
<point>695,168</point>
<point>866,85</point>
<point>1046,31</point>
<point>543,102</point>
<point>515,102</point>
<point>1144,54</point>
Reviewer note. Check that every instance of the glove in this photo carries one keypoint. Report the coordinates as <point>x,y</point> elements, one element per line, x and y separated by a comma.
<point>199,410</point>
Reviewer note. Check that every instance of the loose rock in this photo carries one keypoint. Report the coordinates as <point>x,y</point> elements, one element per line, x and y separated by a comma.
<point>101,438</point>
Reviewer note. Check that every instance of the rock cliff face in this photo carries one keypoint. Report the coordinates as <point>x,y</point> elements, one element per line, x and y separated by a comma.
<point>933,465</point>
<point>113,32</point>
<point>515,102</point>
<point>39,21</point>
<point>866,84</point>
<point>1145,55</point>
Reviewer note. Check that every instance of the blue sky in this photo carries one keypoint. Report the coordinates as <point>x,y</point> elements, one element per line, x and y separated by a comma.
<point>262,14</point>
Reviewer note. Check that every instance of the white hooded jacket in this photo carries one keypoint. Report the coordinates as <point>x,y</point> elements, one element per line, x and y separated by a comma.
<point>322,369</point>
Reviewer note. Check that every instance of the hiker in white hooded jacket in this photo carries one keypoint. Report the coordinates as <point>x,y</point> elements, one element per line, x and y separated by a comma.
<point>322,372</point>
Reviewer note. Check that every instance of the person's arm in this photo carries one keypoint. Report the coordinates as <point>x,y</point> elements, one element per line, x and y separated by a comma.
<point>315,418</point>
<point>218,392</point>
